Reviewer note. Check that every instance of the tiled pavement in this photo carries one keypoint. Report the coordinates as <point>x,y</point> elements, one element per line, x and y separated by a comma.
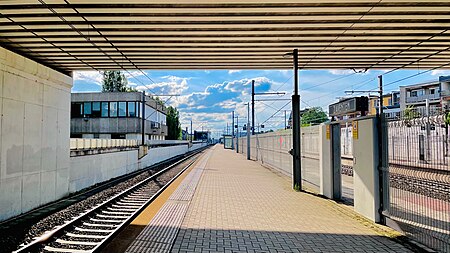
<point>240,206</point>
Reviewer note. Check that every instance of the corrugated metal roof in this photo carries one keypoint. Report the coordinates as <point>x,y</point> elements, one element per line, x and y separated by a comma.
<point>228,34</point>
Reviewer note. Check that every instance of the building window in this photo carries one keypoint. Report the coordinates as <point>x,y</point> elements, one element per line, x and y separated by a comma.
<point>140,109</point>
<point>76,110</point>
<point>132,109</point>
<point>87,109</point>
<point>112,109</point>
<point>96,109</point>
<point>96,136</point>
<point>105,109</point>
<point>122,109</point>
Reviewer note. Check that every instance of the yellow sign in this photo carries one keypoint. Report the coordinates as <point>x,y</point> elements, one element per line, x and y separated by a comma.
<point>328,132</point>
<point>355,129</point>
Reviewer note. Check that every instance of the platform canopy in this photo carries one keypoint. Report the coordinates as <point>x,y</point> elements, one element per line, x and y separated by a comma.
<point>72,35</point>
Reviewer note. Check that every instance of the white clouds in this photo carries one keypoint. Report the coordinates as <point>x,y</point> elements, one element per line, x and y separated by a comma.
<point>348,71</point>
<point>440,72</point>
<point>88,76</point>
<point>233,71</point>
<point>171,85</point>
<point>133,74</point>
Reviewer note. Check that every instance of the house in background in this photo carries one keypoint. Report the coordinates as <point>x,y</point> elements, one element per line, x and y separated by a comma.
<point>391,105</point>
<point>436,92</point>
<point>116,115</point>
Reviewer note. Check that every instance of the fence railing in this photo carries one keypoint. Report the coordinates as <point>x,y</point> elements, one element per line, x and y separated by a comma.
<point>84,144</point>
<point>418,179</point>
<point>272,149</point>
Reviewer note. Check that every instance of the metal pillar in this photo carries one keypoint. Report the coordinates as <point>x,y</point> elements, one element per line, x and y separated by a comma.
<point>253,107</point>
<point>248,131</point>
<point>297,175</point>
<point>191,136</point>
<point>232,130</point>
<point>143,117</point>
<point>237,134</point>
<point>285,125</point>
<point>382,157</point>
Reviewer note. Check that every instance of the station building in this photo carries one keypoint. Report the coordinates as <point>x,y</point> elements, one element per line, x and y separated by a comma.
<point>117,115</point>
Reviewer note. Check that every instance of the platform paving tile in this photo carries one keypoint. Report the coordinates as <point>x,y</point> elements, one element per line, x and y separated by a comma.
<point>240,206</point>
<point>159,235</point>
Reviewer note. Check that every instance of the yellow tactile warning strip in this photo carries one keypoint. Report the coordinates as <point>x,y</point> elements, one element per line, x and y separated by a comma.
<point>126,237</point>
<point>160,233</point>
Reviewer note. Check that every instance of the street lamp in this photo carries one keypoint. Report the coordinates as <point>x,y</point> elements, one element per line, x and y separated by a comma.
<point>295,152</point>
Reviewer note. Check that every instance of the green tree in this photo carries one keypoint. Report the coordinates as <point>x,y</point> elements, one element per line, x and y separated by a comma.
<point>173,124</point>
<point>115,81</point>
<point>314,116</point>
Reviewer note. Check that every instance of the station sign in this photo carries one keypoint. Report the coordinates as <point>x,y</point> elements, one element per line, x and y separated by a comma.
<point>348,106</point>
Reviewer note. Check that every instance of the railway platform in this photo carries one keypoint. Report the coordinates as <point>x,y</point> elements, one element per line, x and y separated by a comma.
<point>226,203</point>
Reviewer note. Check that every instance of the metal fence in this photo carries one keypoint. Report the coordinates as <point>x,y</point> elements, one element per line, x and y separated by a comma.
<point>418,176</point>
<point>272,149</point>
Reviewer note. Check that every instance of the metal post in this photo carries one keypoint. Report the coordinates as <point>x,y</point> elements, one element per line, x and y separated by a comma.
<point>190,135</point>
<point>232,130</point>
<point>253,107</point>
<point>382,162</point>
<point>143,117</point>
<point>285,125</point>
<point>427,108</point>
<point>297,180</point>
<point>237,134</point>
<point>248,131</point>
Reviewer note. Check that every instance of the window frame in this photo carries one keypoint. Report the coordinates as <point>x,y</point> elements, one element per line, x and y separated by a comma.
<point>118,109</point>
<point>102,109</point>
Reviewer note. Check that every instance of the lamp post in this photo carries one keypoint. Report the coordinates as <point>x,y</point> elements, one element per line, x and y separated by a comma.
<point>296,135</point>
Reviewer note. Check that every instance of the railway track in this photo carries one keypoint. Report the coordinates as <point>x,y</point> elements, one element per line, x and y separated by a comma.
<point>93,229</point>
<point>432,183</point>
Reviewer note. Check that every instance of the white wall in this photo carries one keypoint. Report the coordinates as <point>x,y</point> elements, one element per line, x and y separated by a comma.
<point>34,126</point>
<point>88,170</point>
<point>156,155</point>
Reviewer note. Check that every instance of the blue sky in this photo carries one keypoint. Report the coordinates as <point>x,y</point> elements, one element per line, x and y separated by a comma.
<point>208,96</point>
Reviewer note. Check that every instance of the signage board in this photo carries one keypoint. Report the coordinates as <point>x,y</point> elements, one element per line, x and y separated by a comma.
<point>350,105</point>
<point>355,129</point>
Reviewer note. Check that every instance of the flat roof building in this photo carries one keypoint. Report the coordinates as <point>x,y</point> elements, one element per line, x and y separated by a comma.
<point>117,115</point>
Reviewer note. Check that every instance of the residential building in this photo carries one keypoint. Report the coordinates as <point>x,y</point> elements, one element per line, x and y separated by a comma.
<point>436,92</point>
<point>117,115</point>
<point>391,104</point>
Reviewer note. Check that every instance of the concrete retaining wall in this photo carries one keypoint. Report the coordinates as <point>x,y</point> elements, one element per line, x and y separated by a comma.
<point>89,170</point>
<point>156,155</point>
<point>34,126</point>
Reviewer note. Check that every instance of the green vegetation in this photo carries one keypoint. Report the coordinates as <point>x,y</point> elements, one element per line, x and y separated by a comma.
<point>115,81</point>
<point>408,114</point>
<point>447,118</point>
<point>314,116</point>
<point>173,124</point>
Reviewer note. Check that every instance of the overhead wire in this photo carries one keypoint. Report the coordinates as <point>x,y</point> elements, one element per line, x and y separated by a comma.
<point>95,45</point>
